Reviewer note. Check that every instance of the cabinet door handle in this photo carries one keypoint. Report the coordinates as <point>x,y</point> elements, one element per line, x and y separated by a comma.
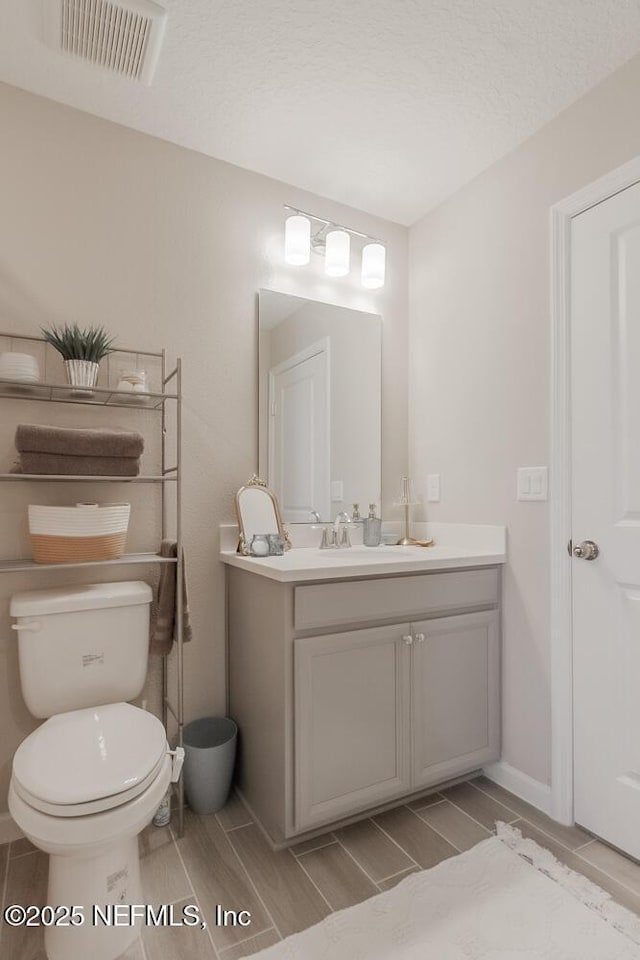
<point>408,639</point>
<point>420,637</point>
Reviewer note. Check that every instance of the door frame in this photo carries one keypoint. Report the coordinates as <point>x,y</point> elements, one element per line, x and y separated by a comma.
<point>561,630</point>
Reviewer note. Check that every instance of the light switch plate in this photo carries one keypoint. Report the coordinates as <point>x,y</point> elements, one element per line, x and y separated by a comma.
<point>533,483</point>
<point>433,487</point>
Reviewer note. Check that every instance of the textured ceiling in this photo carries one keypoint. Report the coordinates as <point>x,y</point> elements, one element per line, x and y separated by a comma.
<point>386,105</point>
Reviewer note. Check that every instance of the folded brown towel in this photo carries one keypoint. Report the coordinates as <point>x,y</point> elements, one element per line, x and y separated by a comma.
<point>62,465</point>
<point>70,441</point>
<point>163,612</point>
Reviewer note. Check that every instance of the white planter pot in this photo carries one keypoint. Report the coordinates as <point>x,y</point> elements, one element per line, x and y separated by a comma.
<point>82,373</point>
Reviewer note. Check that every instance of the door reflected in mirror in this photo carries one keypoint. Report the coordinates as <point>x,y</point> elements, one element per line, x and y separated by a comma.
<point>319,406</point>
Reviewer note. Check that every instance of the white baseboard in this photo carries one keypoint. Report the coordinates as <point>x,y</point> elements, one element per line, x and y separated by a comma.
<point>536,793</point>
<point>9,829</point>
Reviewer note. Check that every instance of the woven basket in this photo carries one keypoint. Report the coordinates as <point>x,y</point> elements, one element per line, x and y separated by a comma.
<point>78,534</point>
<point>77,549</point>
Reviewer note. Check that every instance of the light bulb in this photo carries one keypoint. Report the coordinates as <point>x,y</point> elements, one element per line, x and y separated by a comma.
<point>373,264</point>
<point>297,240</point>
<point>336,260</point>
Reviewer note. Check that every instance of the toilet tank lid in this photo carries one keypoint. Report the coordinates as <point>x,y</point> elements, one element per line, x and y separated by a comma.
<point>88,596</point>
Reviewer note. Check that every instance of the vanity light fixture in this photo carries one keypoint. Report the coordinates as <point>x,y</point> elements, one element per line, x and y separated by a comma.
<point>373,264</point>
<point>337,255</point>
<point>305,233</point>
<point>297,240</point>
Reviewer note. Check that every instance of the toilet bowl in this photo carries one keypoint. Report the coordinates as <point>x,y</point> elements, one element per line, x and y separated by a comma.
<point>83,786</point>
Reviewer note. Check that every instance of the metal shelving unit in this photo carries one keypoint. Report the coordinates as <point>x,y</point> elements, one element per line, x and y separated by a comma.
<point>13,566</point>
<point>95,397</point>
<point>68,478</point>
<point>171,384</point>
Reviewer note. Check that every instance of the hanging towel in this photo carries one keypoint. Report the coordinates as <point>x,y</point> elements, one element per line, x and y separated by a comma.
<point>70,441</point>
<point>163,614</point>
<point>63,465</point>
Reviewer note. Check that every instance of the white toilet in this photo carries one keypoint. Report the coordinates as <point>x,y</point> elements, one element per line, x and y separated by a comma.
<point>90,778</point>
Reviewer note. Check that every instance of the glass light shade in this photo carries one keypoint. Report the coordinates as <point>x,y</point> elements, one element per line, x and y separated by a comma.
<point>407,493</point>
<point>336,258</point>
<point>373,264</point>
<point>297,240</point>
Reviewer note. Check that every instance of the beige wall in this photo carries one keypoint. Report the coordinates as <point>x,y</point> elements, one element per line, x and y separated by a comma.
<point>166,248</point>
<point>479,367</point>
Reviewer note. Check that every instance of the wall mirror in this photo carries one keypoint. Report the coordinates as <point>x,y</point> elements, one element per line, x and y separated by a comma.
<point>319,412</point>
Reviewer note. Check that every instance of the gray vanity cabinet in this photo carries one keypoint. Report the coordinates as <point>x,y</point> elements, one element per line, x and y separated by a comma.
<point>455,699</point>
<point>381,712</point>
<point>345,705</point>
<point>351,722</point>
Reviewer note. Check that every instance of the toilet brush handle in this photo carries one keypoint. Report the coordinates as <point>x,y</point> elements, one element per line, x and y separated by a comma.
<point>178,760</point>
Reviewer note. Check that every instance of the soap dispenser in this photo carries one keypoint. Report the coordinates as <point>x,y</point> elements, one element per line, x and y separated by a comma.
<point>372,532</point>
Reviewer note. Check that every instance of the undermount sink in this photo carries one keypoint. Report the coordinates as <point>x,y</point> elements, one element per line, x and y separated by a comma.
<point>358,554</point>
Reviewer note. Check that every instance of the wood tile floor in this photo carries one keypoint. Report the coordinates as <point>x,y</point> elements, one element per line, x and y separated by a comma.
<point>224,859</point>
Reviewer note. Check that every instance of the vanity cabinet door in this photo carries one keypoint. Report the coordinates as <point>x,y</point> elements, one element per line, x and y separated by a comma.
<point>351,722</point>
<point>455,695</point>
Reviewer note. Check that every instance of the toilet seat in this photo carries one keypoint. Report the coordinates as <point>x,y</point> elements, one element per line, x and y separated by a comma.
<point>93,806</point>
<point>89,760</point>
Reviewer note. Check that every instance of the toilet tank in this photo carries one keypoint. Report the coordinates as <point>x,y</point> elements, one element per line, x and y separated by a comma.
<point>82,646</point>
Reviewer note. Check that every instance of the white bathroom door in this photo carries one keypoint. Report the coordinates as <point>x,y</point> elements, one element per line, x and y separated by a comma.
<point>605,347</point>
<point>299,434</point>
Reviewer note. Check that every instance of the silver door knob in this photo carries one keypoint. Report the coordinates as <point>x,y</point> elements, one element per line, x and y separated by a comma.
<point>420,637</point>
<point>587,550</point>
<point>408,639</point>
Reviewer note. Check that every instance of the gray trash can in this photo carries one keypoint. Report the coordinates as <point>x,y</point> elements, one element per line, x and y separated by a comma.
<point>210,752</point>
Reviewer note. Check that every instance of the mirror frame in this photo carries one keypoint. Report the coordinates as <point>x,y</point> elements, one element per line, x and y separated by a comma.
<point>252,484</point>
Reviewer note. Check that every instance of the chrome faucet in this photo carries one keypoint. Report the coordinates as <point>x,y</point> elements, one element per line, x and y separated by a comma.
<point>331,538</point>
<point>342,517</point>
<point>345,539</point>
<point>316,516</point>
<point>326,543</point>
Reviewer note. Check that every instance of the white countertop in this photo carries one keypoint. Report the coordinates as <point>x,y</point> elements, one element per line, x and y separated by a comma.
<point>456,546</point>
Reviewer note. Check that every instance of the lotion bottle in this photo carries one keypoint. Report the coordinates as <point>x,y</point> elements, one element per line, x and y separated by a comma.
<point>372,532</point>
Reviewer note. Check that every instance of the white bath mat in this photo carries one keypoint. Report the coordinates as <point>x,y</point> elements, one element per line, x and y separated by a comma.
<point>505,899</point>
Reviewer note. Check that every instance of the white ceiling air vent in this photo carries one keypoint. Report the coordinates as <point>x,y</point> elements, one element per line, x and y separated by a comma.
<point>123,36</point>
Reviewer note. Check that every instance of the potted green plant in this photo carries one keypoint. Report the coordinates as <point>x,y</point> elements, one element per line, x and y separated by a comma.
<point>81,351</point>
